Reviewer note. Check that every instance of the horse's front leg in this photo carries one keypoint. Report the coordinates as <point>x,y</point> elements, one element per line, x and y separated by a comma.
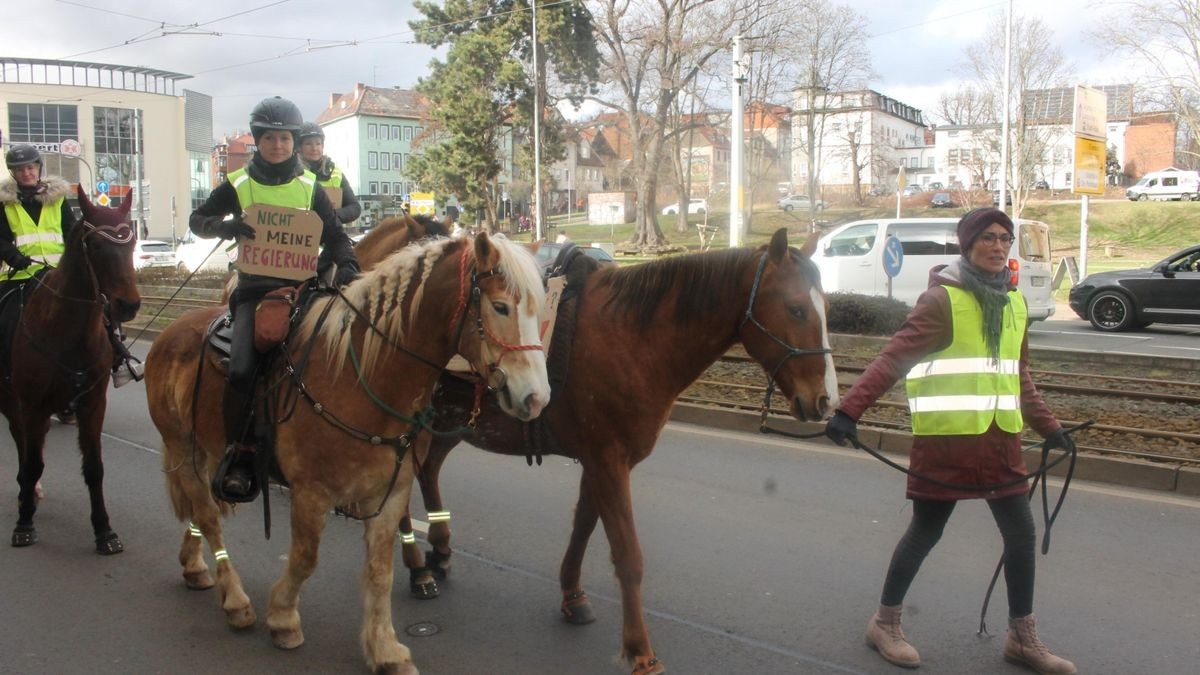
<point>609,486</point>
<point>91,423</point>
<point>575,604</point>
<point>426,570</point>
<point>383,652</point>
<point>29,473</point>
<point>309,507</point>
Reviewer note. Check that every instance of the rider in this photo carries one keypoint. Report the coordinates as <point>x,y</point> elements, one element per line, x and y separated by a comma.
<point>964,350</point>
<point>33,235</point>
<point>312,153</point>
<point>273,176</point>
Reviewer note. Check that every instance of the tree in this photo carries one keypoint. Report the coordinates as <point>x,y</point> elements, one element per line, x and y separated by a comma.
<point>1164,37</point>
<point>967,105</point>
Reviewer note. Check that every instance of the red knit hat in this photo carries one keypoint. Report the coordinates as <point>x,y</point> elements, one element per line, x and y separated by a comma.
<point>974,222</point>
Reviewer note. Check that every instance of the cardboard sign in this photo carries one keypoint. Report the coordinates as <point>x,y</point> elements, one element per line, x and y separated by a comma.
<point>554,289</point>
<point>286,244</point>
<point>335,196</point>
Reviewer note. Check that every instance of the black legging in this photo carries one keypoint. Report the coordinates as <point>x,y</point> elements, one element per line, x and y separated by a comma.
<point>1015,520</point>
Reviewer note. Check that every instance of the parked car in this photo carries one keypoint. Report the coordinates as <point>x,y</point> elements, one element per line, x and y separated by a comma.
<point>941,200</point>
<point>1167,292</point>
<point>800,202</point>
<point>548,252</point>
<point>199,254</point>
<point>936,185</point>
<point>912,189</point>
<point>1039,185</point>
<point>695,205</point>
<point>880,191</point>
<point>152,253</point>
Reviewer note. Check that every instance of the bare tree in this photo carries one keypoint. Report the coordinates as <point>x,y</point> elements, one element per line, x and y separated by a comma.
<point>965,106</point>
<point>1164,36</point>
<point>1036,64</point>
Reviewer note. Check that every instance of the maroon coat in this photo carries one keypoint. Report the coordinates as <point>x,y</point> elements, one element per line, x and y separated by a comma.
<point>991,457</point>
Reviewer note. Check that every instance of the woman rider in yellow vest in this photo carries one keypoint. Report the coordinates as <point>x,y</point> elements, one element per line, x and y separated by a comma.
<point>964,352</point>
<point>312,153</point>
<point>33,235</point>
<point>274,175</point>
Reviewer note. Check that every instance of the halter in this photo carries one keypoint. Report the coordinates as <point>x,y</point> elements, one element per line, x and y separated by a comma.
<point>790,350</point>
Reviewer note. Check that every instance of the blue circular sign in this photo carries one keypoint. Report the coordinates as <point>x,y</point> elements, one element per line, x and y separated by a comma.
<point>102,186</point>
<point>893,256</point>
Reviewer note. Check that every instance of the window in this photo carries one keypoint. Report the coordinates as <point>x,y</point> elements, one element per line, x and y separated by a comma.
<point>856,241</point>
<point>396,132</point>
<point>913,163</point>
<point>385,188</point>
<point>408,133</point>
<point>385,161</point>
<point>397,164</point>
<point>396,189</point>
<point>37,123</point>
<point>925,238</point>
<point>374,188</point>
<point>372,131</point>
<point>407,158</point>
<point>114,133</point>
<point>372,160</point>
<point>951,134</point>
<point>929,163</point>
<point>585,150</point>
<point>1171,181</point>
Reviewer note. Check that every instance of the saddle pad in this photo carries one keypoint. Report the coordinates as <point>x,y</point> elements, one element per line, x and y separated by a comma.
<point>220,333</point>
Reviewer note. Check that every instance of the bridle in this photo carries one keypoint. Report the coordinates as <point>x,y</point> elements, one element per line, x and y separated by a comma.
<point>789,350</point>
<point>119,234</point>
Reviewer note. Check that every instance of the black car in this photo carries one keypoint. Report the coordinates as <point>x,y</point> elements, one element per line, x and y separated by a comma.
<point>941,200</point>
<point>547,252</point>
<point>1039,185</point>
<point>1168,292</point>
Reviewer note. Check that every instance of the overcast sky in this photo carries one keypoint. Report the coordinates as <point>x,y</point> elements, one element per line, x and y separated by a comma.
<point>238,53</point>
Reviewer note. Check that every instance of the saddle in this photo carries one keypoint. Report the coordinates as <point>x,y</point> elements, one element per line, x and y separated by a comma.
<point>12,303</point>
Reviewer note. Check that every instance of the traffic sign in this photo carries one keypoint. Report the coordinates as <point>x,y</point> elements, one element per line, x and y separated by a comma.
<point>103,199</point>
<point>70,147</point>
<point>102,186</point>
<point>893,256</point>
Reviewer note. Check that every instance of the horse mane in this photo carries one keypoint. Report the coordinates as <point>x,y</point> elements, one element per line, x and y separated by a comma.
<point>380,294</point>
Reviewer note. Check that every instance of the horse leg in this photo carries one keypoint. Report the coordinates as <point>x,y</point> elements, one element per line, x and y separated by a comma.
<point>609,486</point>
<point>29,473</point>
<point>206,522</point>
<point>575,604</point>
<point>308,522</point>
<point>426,570</point>
<point>383,652</point>
<point>421,583</point>
<point>91,421</point>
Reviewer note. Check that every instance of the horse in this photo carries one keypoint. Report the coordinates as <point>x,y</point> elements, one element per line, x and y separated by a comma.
<point>364,362</point>
<point>394,233</point>
<point>61,357</point>
<point>643,334</point>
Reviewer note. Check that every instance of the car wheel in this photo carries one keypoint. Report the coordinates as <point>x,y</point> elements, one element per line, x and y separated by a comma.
<point>1111,311</point>
<point>787,207</point>
<point>1185,197</point>
<point>1143,197</point>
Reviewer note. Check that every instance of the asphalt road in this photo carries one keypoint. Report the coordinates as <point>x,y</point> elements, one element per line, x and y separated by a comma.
<point>762,556</point>
<point>1065,330</point>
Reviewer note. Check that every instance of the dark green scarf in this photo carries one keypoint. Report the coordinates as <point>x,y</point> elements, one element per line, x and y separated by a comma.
<point>991,290</point>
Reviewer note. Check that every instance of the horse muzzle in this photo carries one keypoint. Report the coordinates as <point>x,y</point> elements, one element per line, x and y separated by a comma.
<point>124,310</point>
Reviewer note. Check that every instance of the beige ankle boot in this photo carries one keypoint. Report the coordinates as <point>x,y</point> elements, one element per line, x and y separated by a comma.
<point>1023,646</point>
<point>885,635</point>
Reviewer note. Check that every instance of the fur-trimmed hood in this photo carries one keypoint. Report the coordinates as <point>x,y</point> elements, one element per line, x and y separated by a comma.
<point>56,189</point>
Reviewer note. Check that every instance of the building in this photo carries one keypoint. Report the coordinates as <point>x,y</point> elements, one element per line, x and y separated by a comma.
<point>579,173</point>
<point>230,154</point>
<point>104,125</point>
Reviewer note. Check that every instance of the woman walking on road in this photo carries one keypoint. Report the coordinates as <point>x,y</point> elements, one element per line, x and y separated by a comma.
<point>964,352</point>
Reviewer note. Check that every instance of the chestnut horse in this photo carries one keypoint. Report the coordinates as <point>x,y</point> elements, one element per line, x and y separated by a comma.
<point>61,357</point>
<point>644,333</point>
<point>364,364</point>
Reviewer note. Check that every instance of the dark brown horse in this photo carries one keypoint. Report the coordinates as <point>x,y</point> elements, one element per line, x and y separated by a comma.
<point>362,367</point>
<point>62,358</point>
<point>644,334</point>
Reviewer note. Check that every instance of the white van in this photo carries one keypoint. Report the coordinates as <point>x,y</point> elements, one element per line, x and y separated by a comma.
<point>851,258</point>
<point>1166,184</point>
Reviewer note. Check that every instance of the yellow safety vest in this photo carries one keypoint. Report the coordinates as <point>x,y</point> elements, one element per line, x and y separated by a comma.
<point>296,193</point>
<point>335,180</point>
<point>961,389</point>
<point>42,241</point>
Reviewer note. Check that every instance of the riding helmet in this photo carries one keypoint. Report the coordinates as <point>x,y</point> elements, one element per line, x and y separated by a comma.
<point>20,155</point>
<point>311,130</point>
<point>275,113</point>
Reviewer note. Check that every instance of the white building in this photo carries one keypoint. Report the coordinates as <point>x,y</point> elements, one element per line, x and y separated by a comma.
<point>122,121</point>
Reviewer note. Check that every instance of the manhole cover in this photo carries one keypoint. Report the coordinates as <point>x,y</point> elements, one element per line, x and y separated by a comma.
<point>423,629</point>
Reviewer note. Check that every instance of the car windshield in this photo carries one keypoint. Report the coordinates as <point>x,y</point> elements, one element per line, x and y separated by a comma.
<point>925,238</point>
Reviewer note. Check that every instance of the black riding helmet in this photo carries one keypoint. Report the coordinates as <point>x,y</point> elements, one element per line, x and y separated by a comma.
<point>275,113</point>
<point>311,130</point>
<point>20,155</point>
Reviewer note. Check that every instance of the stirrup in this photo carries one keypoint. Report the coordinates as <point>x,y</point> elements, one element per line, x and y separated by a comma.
<point>238,487</point>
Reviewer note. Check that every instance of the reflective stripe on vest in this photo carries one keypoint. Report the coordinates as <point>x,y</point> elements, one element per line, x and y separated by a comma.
<point>961,390</point>
<point>42,241</point>
<point>296,193</point>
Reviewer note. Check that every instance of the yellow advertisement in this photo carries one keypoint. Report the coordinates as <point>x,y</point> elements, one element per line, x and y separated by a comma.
<point>422,202</point>
<point>1090,157</point>
<point>285,245</point>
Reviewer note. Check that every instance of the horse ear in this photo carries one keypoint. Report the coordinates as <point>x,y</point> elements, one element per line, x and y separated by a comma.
<point>487,256</point>
<point>810,245</point>
<point>126,205</point>
<point>779,246</point>
<point>85,204</point>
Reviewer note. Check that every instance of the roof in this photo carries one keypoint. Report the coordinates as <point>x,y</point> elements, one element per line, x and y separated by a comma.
<point>376,102</point>
<point>1058,104</point>
<point>136,70</point>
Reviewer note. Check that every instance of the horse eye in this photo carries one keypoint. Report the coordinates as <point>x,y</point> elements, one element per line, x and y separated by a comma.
<point>797,311</point>
<point>500,308</point>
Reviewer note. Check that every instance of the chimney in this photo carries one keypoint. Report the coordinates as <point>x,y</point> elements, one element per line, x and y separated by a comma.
<point>359,88</point>
<point>333,99</point>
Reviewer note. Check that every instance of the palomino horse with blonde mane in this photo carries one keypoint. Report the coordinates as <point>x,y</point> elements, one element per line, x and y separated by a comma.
<point>61,357</point>
<point>643,334</point>
<point>363,364</point>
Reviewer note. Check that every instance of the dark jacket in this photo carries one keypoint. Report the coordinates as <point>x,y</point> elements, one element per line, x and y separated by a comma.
<point>56,188</point>
<point>350,209</point>
<point>992,457</point>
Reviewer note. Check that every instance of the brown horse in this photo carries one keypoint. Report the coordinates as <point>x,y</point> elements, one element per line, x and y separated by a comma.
<point>393,234</point>
<point>644,334</point>
<point>363,365</point>
<point>62,358</point>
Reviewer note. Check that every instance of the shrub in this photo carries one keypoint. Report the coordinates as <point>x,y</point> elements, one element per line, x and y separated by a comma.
<point>856,314</point>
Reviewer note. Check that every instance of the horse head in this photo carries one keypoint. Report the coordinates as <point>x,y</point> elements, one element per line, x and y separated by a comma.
<point>784,327</point>
<point>106,240</point>
<point>505,345</point>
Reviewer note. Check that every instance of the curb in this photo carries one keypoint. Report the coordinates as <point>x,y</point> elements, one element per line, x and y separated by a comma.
<point>1133,473</point>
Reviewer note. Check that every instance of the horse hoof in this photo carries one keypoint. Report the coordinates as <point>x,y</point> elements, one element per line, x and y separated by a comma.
<point>109,544</point>
<point>577,609</point>
<point>427,590</point>
<point>648,666</point>
<point>287,639</point>
<point>198,581</point>
<point>396,669</point>
<point>243,618</point>
<point>24,537</point>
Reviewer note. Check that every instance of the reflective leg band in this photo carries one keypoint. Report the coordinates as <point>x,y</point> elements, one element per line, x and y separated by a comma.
<point>407,538</point>
<point>194,530</point>
<point>220,555</point>
<point>439,516</point>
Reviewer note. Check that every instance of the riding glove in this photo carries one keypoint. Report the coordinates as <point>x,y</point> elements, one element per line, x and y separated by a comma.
<point>346,272</point>
<point>841,427</point>
<point>21,263</point>
<point>232,229</point>
<point>1059,439</point>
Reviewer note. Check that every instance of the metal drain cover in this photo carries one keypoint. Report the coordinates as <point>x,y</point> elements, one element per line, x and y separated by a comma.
<point>423,629</point>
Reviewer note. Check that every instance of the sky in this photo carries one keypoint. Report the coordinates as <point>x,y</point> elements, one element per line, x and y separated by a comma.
<point>305,50</point>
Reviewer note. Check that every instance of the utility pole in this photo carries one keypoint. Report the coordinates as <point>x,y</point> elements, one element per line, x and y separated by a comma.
<point>537,135</point>
<point>735,147</point>
<point>137,167</point>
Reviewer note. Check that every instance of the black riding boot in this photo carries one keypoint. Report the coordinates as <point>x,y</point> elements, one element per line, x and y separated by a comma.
<point>236,479</point>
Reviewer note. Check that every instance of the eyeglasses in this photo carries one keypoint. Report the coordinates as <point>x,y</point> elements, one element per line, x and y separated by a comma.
<point>990,238</point>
